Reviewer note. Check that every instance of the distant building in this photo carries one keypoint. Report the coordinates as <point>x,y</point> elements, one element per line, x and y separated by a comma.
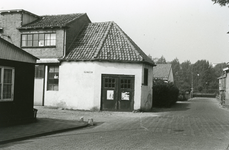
<point>164,72</point>
<point>224,86</point>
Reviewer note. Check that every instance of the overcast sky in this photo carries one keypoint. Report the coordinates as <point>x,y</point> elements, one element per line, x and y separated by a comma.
<point>184,29</point>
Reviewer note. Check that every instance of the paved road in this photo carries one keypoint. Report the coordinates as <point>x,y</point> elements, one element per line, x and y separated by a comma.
<point>198,124</point>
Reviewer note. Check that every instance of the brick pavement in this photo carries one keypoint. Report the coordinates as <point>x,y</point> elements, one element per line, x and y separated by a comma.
<point>195,124</point>
<point>41,127</point>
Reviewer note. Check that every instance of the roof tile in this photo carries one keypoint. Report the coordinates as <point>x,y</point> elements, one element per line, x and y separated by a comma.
<point>52,21</point>
<point>106,42</point>
<point>162,70</point>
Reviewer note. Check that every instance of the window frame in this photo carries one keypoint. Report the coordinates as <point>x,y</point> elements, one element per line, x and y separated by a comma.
<point>51,81</point>
<point>145,76</point>
<point>2,99</point>
<point>38,40</point>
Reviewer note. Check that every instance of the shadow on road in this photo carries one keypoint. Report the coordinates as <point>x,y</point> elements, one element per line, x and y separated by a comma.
<point>179,106</point>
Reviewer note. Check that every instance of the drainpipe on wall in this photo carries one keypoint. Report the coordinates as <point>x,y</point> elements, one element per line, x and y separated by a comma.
<point>64,48</point>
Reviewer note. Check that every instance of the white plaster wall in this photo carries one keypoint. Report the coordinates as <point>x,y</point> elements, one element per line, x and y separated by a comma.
<point>38,92</point>
<point>119,69</point>
<point>76,86</point>
<point>80,83</point>
<point>227,90</point>
<point>147,92</point>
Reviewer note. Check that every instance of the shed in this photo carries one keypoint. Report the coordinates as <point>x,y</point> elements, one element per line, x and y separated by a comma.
<point>16,84</point>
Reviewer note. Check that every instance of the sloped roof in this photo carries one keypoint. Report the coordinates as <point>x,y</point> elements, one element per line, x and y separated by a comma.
<point>51,21</point>
<point>105,42</point>
<point>223,76</point>
<point>11,52</point>
<point>162,70</point>
<point>16,11</point>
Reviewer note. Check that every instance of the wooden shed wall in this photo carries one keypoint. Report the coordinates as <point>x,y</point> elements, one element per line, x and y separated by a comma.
<point>11,52</point>
<point>21,108</point>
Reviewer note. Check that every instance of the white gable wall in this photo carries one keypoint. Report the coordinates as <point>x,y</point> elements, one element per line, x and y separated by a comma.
<point>80,84</point>
<point>147,91</point>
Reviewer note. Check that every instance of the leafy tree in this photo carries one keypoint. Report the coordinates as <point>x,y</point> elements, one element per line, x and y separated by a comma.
<point>186,76</point>
<point>176,71</point>
<point>161,60</point>
<point>219,69</point>
<point>204,76</point>
<point>221,2</point>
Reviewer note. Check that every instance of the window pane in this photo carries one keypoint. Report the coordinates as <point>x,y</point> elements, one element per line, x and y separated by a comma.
<point>29,40</point>
<point>47,39</point>
<point>53,78</point>
<point>53,36</point>
<point>47,36</point>
<point>23,43</point>
<point>35,40</point>
<point>7,91</point>
<point>53,39</point>
<point>145,76</point>
<point>56,69</point>
<point>7,76</point>
<point>51,69</point>
<point>41,40</point>
<point>24,39</point>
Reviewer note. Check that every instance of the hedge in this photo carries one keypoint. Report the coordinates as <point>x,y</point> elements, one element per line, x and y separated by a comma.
<point>164,94</point>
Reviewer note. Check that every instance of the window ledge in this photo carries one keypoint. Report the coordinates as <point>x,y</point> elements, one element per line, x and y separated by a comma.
<point>39,47</point>
<point>6,100</point>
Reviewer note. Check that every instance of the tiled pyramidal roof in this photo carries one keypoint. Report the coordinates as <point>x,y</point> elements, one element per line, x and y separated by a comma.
<point>106,42</point>
<point>53,21</point>
<point>162,70</point>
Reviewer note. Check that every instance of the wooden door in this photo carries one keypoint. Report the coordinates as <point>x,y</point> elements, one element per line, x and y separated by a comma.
<point>117,92</point>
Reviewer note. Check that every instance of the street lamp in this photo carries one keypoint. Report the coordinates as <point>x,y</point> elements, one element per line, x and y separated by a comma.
<point>192,86</point>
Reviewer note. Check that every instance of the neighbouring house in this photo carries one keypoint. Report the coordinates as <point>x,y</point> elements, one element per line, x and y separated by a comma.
<point>224,86</point>
<point>164,72</point>
<point>46,37</point>
<point>82,65</point>
<point>16,84</point>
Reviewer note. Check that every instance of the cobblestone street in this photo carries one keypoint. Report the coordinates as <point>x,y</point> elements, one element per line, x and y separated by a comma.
<point>197,124</point>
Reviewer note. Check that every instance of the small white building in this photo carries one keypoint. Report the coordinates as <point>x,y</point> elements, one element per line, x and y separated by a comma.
<point>105,70</point>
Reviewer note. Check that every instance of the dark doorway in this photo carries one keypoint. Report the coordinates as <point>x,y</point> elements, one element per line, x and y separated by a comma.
<point>117,92</point>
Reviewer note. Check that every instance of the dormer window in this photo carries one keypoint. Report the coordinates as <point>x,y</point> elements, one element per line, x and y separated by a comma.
<point>38,40</point>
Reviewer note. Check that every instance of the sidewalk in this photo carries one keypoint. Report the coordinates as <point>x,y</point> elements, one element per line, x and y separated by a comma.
<point>54,120</point>
<point>43,126</point>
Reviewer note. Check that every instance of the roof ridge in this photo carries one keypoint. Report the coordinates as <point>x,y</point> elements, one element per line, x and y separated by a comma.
<point>61,14</point>
<point>103,40</point>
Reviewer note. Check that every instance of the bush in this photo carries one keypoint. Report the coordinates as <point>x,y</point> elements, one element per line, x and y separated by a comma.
<point>164,94</point>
